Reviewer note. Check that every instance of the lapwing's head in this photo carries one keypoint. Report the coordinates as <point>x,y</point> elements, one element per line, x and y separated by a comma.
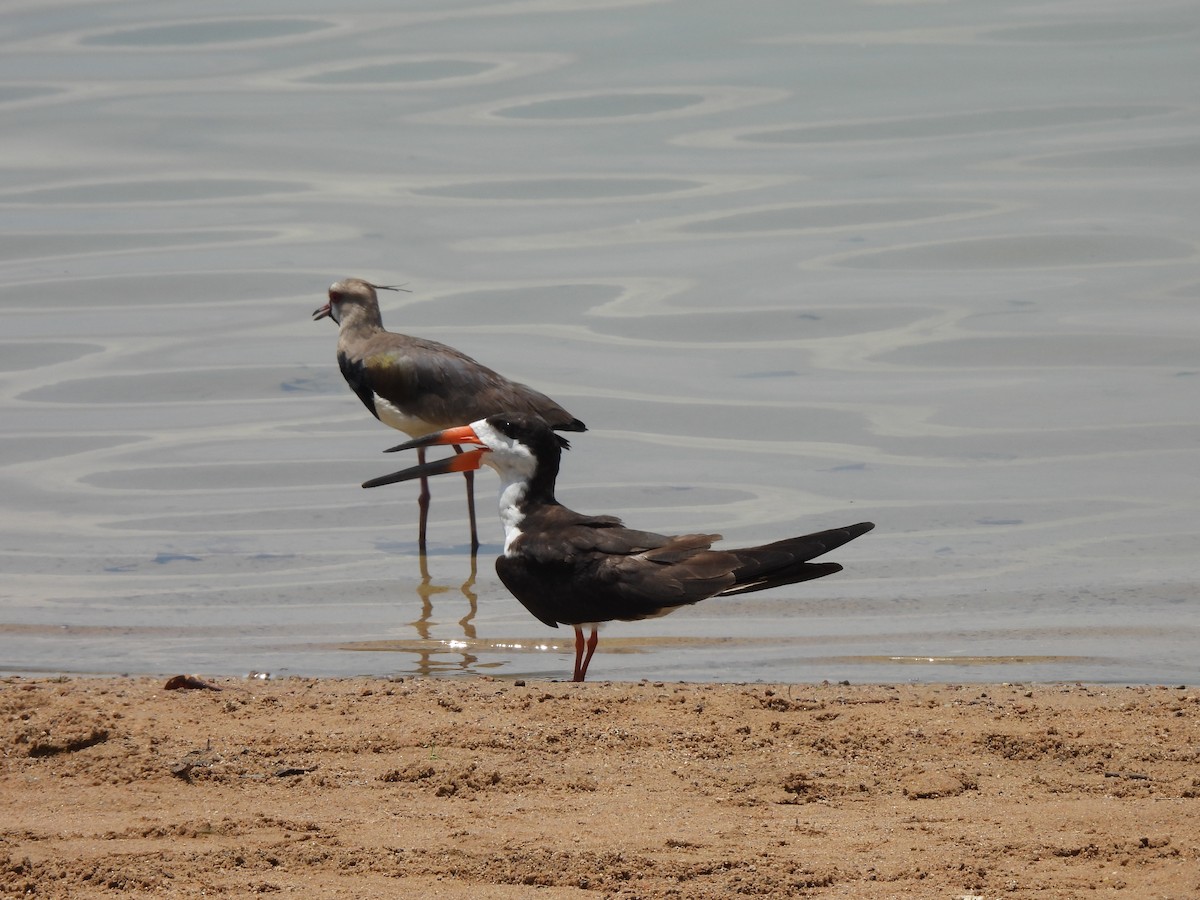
<point>352,298</point>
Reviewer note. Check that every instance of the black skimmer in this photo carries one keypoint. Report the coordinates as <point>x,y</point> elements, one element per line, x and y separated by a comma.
<point>573,569</point>
<point>419,386</point>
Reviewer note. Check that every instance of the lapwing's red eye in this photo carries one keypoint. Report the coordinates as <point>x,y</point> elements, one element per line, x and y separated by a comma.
<point>335,296</point>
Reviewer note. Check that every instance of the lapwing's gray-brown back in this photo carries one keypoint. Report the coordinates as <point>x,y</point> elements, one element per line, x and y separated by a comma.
<point>436,383</point>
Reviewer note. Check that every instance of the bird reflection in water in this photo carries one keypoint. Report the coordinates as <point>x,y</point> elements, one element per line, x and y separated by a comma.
<point>433,659</point>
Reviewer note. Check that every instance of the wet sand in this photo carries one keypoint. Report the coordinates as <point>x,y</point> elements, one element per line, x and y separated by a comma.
<point>489,788</point>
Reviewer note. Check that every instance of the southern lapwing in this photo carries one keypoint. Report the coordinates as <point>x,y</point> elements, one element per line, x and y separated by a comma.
<point>420,386</point>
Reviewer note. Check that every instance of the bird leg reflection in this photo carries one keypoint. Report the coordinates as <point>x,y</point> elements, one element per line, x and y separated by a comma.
<point>468,589</point>
<point>433,660</point>
<point>427,590</point>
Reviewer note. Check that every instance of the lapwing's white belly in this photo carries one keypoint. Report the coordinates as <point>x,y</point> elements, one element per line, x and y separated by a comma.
<point>413,426</point>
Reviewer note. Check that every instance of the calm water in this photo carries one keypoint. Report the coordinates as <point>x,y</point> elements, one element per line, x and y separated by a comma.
<point>929,264</point>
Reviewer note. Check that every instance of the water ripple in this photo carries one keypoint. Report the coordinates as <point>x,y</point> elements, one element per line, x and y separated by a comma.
<point>641,104</point>
<point>1026,251</point>
<point>754,222</point>
<point>153,190</point>
<point>910,128</point>
<point>207,33</point>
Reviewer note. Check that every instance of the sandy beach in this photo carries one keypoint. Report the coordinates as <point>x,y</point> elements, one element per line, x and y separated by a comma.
<point>488,788</point>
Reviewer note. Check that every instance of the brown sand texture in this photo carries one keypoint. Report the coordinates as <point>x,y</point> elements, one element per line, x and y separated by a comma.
<point>458,788</point>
